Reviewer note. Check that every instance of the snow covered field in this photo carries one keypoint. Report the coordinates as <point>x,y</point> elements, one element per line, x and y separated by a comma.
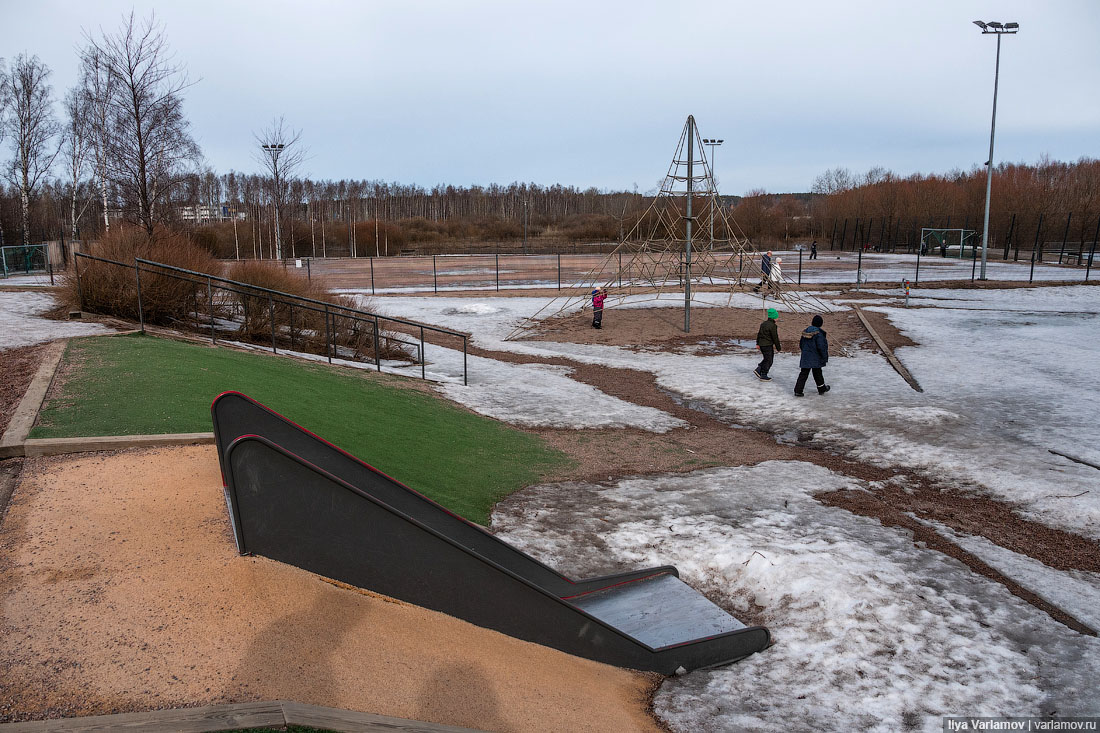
<point>21,324</point>
<point>871,630</point>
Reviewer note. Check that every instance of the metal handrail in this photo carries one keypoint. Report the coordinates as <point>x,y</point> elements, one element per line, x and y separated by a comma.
<point>287,299</point>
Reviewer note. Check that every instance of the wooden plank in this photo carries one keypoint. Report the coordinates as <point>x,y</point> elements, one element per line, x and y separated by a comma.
<point>887,351</point>
<point>349,721</point>
<point>183,720</point>
<point>27,412</point>
<point>61,446</point>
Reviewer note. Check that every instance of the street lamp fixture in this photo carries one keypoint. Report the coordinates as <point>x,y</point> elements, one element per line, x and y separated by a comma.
<point>274,150</point>
<point>998,29</point>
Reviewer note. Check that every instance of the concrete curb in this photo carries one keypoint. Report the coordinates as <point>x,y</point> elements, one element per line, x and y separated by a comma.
<point>235,717</point>
<point>11,445</point>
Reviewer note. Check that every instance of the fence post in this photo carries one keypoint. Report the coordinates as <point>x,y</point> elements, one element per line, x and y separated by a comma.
<point>859,263</point>
<point>1031,277</point>
<point>328,336</point>
<point>79,285</point>
<point>559,270</point>
<point>423,375</point>
<point>465,379</point>
<point>210,306</point>
<point>498,275</point>
<point>271,317</point>
<point>435,277</point>
<point>309,275</point>
<point>799,267</point>
<point>1035,246</point>
<point>377,348</point>
<point>141,312</point>
<point>974,261</point>
<point>372,275</point>
<point>1065,235</point>
<point>620,269</point>
<point>1088,267</point>
<point>916,278</point>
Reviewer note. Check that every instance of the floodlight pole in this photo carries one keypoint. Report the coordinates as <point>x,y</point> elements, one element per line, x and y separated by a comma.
<point>713,143</point>
<point>274,150</point>
<point>997,29</point>
<point>687,244</point>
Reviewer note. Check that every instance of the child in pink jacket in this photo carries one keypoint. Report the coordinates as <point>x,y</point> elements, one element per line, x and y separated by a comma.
<point>598,297</point>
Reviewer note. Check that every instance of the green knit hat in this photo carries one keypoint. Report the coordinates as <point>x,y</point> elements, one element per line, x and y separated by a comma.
<point>773,313</point>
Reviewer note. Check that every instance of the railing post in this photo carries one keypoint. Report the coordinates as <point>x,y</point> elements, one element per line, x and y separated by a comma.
<point>799,267</point>
<point>210,305</point>
<point>498,271</point>
<point>328,336</point>
<point>377,347</point>
<point>559,270</point>
<point>435,276</point>
<point>620,269</point>
<point>916,278</point>
<point>423,373</point>
<point>465,377</point>
<point>79,285</point>
<point>1088,267</point>
<point>271,317</point>
<point>372,276</point>
<point>1031,277</point>
<point>141,311</point>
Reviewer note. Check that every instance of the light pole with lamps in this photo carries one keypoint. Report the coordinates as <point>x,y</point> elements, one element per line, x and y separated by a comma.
<point>997,29</point>
<point>714,183</point>
<point>274,150</point>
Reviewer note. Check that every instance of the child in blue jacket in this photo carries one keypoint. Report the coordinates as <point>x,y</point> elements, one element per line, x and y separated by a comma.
<point>815,355</point>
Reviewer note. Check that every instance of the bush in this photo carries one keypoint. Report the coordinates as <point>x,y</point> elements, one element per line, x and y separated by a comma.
<point>112,290</point>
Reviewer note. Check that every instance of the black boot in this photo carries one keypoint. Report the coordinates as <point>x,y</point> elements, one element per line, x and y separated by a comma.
<point>823,389</point>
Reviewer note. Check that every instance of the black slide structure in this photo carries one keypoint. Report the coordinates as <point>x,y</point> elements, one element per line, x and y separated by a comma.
<point>295,498</point>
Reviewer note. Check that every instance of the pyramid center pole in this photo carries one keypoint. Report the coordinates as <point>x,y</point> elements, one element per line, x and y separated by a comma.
<point>687,243</point>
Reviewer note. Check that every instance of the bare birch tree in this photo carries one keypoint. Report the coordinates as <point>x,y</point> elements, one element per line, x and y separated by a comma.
<point>98,88</point>
<point>150,147</point>
<point>282,155</point>
<point>77,140</point>
<point>33,129</point>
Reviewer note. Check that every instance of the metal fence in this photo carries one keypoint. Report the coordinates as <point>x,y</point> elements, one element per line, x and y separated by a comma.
<point>26,260</point>
<point>238,311</point>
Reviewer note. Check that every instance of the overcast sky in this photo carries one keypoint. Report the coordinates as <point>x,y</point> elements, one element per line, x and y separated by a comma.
<point>596,93</point>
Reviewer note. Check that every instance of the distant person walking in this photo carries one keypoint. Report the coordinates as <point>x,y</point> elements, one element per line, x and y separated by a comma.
<point>765,271</point>
<point>599,295</point>
<point>767,340</point>
<point>776,275</point>
<point>815,355</point>
<point>813,250</point>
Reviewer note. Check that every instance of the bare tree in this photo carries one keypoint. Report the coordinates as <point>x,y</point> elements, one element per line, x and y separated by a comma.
<point>281,154</point>
<point>149,147</point>
<point>77,140</point>
<point>98,88</point>
<point>32,127</point>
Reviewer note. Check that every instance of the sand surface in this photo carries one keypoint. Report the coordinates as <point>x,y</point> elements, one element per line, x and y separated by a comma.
<point>121,590</point>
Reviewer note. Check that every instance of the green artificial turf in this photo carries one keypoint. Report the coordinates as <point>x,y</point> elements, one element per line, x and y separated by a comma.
<point>137,385</point>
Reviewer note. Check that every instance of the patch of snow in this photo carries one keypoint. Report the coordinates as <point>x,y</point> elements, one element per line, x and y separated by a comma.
<point>21,324</point>
<point>1077,592</point>
<point>870,630</point>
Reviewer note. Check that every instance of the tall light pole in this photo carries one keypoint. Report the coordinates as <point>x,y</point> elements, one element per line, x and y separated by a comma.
<point>714,182</point>
<point>274,151</point>
<point>525,226</point>
<point>997,29</point>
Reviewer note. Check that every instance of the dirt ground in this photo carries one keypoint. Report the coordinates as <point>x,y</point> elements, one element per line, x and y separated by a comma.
<point>18,367</point>
<point>662,329</point>
<point>122,590</point>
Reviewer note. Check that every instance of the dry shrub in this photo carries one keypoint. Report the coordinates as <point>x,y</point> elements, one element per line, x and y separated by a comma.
<point>302,327</point>
<point>112,290</point>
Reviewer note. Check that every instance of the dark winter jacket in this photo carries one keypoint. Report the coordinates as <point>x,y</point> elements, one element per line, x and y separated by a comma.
<point>815,348</point>
<point>766,265</point>
<point>768,335</point>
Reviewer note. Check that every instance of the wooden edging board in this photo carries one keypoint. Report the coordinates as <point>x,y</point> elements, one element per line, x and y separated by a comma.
<point>11,445</point>
<point>234,717</point>
<point>887,351</point>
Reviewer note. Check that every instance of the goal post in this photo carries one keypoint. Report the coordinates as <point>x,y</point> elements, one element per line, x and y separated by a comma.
<point>949,242</point>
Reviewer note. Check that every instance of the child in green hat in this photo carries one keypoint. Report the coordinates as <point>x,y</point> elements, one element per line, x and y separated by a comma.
<point>767,340</point>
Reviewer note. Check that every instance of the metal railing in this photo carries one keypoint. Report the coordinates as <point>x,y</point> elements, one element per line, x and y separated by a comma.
<point>244,298</point>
